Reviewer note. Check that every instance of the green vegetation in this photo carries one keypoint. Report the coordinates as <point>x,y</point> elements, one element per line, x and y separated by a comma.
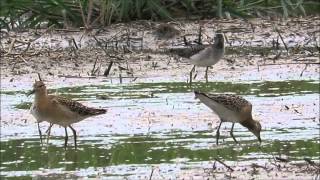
<point>143,150</point>
<point>20,14</point>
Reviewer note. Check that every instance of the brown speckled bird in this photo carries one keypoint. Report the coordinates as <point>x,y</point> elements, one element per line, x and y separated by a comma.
<point>59,110</point>
<point>231,108</point>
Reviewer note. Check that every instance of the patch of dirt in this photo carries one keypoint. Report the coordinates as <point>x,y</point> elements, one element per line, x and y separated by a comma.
<point>61,56</point>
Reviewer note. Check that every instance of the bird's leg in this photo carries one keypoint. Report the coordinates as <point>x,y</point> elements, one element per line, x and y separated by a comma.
<point>231,133</point>
<point>66,138</point>
<point>49,131</point>
<point>192,70</point>
<point>206,75</point>
<point>40,134</point>
<point>75,136</point>
<point>218,132</point>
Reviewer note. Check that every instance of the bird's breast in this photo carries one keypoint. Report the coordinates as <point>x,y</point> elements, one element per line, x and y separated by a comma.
<point>207,57</point>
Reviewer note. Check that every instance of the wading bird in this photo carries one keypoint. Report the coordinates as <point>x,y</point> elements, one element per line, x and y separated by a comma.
<point>231,108</point>
<point>59,110</point>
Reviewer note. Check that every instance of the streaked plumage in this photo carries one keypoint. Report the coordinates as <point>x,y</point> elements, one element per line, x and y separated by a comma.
<point>231,101</point>
<point>59,110</point>
<point>231,108</point>
<point>188,51</point>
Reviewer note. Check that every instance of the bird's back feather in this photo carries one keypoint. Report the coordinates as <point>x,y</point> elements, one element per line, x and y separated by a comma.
<point>230,101</point>
<point>76,107</point>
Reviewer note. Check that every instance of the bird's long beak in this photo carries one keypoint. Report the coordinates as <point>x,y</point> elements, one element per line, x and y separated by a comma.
<point>31,92</point>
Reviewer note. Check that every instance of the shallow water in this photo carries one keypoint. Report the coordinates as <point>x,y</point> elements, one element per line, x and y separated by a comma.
<point>162,125</point>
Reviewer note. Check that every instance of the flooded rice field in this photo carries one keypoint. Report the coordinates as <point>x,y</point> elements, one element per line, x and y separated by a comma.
<point>154,127</point>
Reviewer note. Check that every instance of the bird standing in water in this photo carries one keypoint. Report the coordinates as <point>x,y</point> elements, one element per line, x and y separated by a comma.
<point>231,108</point>
<point>202,55</point>
<point>59,110</point>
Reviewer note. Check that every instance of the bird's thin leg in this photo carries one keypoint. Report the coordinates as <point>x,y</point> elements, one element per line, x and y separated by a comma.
<point>49,132</point>
<point>192,70</point>
<point>218,132</point>
<point>66,138</point>
<point>75,136</point>
<point>231,133</point>
<point>40,134</point>
<point>206,75</point>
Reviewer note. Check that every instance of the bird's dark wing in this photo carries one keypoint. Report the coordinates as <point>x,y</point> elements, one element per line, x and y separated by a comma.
<point>186,52</point>
<point>76,106</point>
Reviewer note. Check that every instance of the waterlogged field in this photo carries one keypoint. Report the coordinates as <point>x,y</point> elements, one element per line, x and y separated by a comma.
<point>160,130</point>
<point>154,127</point>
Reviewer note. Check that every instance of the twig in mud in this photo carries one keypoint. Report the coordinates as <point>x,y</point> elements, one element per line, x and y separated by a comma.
<point>27,48</point>
<point>120,77</point>
<point>210,171</point>
<point>297,111</point>
<point>116,57</point>
<point>11,46</point>
<point>128,42</point>
<point>39,77</point>
<point>93,71</point>
<point>199,41</point>
<point>303,70</point>
<point>285,45</point>
<point>154,65</point>
<point>152,169</point>
<point>75,43</point>
<point>24,60</point>
<point>14,66</point>
<point>214,166</point>
<point>107,71</point>
<point>100,45</point>
<point>227,40</point>
<point>195,75</point>
<point>122,68</point>
<point>70,76</point>
<point>134,79</point>
<point>141,45</point>
<point>228,167</point>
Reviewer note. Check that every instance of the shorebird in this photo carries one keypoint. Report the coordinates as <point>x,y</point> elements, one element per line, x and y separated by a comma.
<point>202,55</point>
<point>231,108</point>
<point>59,110</point>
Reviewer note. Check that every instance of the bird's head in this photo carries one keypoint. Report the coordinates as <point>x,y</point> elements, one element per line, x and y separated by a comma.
<point>219,40</point>
<point>197,94</point>
<point>256,129</point>
<point>38,88</point>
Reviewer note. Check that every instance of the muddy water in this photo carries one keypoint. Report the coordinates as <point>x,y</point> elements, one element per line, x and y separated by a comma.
<point>159,125</point>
